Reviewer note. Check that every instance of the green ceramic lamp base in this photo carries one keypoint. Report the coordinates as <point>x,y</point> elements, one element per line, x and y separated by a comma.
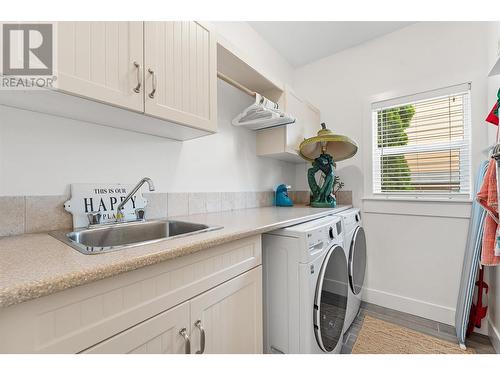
<point>332,204</point>
<point>322,196</point>
<point>318,150</point>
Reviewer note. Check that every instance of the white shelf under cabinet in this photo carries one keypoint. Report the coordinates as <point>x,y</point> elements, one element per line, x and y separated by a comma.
<point>233,63</point>
<point>283,142</point>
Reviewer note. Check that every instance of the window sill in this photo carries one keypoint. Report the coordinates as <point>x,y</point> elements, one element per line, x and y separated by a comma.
<point>418,199</point>
<point>426,206</point>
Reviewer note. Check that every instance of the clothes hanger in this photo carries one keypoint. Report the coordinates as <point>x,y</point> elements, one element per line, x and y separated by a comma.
<point>262,114</point>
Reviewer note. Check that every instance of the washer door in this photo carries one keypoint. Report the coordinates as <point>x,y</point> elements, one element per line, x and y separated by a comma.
<point>330,305</point>
<point>357,260</point>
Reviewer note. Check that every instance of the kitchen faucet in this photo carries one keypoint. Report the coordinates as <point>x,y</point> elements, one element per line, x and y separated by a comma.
<point>119,209</point>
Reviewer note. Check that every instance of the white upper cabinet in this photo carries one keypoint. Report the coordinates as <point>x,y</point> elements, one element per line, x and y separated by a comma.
<point>102,61</point>
<point>283,142</point>
<point>163,73</point>
<point>181,73</point>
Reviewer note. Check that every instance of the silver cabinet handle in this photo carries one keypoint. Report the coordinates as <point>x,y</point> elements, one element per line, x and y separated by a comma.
<point>137,89</point>
<point>187,343</point>
<point>153,75</point>
<point>202,337</point>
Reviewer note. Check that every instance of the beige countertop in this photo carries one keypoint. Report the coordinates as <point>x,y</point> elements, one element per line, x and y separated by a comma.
<point>36,265</point>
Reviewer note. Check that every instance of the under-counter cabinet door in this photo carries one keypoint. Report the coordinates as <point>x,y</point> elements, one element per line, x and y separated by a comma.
<point>181,73</point>
<point>102,61</point>
<point>230,316</point>
<point>166,333</point>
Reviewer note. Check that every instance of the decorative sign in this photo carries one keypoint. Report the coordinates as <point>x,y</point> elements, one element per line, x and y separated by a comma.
<point>103,198</point>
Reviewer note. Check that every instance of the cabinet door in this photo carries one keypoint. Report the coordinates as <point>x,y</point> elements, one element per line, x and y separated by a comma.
<point>160,334</point>
<point>181,73</point>
<point>311,120</point>
<point>295,132</point>
<point>102,61</point>
<point>231,316</point>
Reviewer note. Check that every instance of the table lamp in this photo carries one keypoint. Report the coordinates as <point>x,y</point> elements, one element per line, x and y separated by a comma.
<point>323,150</point>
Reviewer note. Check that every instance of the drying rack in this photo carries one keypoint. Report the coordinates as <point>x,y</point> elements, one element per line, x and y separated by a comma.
<point>495,154</point>
<point>473,249</point>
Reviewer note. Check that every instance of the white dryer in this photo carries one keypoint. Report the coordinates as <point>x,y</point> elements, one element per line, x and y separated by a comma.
<point>299,315</point>
<point>355,246</point>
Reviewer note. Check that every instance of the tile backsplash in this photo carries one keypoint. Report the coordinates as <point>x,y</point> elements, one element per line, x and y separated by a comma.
<point>13,215</point>
<point>36,214</point>
<point>303,196</point>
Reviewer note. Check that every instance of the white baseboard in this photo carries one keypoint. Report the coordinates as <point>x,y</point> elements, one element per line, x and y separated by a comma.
<point>494,335</point>
<point>409,305</point>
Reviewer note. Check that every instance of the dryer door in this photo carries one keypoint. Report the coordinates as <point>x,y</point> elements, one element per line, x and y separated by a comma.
<point>331,300</point>
<point>357,260</point>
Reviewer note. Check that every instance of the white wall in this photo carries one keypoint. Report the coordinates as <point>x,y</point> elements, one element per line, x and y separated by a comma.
<point>42,155</point>
<point>417,269</point>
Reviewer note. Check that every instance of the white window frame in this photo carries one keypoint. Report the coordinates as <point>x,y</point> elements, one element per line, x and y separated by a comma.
<point>464,145</point>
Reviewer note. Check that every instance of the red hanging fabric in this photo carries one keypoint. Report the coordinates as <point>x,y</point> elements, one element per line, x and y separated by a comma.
<point>493,115</point>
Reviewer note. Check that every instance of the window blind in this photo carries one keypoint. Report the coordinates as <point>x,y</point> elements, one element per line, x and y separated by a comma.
<point>421,143</point>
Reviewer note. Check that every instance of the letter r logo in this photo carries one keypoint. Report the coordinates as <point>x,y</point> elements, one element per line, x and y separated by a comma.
<point>27,49</point>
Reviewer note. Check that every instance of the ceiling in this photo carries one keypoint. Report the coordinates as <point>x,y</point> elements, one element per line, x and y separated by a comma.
<point>301,42</point>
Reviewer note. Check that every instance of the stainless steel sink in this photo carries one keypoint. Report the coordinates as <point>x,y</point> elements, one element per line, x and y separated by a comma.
<point>112,237</point>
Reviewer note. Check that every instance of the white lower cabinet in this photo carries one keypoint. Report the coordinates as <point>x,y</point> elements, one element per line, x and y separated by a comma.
<point>144,311</point>
<point>231,316</point>
<point>154,336</point>
<point>225,319</point>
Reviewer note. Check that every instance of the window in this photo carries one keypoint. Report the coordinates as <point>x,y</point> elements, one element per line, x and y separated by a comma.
<point>421,144</point>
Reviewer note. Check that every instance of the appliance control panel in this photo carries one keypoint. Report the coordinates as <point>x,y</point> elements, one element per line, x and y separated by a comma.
<point>324,236</point>
<point>352,219</point>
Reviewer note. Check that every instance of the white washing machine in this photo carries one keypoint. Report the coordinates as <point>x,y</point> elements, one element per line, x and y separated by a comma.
<point>355,246</point>
<point>299,315</point>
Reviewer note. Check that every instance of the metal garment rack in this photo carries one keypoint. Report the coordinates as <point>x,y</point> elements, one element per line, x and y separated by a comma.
<point>495,154</point>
